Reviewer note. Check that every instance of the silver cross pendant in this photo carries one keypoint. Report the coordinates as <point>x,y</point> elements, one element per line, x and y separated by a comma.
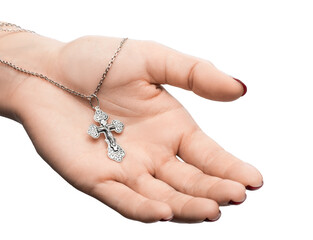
<point>115,152</point>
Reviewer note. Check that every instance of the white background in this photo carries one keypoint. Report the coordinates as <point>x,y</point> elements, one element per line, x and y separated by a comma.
<point>266,44</point>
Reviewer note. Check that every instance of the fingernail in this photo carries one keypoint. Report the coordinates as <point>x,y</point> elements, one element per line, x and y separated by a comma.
<point>243,85</point>
<point>214,219</point>
<point>167,219</point>
<point>251,188</point>
<point>231,202</point>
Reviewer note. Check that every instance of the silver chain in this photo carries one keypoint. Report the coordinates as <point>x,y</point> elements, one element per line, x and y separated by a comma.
<point>9,27</point>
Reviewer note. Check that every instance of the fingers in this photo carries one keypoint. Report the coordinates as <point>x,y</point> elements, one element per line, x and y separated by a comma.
<point>190,180</point>
<point>167,66</point>
<point>184,207</point>
<point>131,204</point>
<point>201,151</point>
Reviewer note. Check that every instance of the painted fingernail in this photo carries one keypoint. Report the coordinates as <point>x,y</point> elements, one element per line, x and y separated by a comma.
<point>243,85</point>
<point>214,219</point>
<point>231,202</point>
<point>251,188</point>
<point>167,219</point>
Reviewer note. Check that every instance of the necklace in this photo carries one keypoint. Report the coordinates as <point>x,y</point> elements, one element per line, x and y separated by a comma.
<point>114,151</point>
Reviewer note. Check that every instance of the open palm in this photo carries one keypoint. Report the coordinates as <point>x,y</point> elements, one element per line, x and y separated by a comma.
<point>151,183</point>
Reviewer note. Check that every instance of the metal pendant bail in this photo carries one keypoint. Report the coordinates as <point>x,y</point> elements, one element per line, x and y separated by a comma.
<point>90,101</point>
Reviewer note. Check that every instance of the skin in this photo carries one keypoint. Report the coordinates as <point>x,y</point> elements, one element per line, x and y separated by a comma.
<point>151,183</point>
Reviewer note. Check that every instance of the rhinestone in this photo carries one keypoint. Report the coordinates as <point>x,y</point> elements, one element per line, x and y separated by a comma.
<point>93,131</point>
<point>116,155</point>
<point>100,115</point>
<point>119,126</point>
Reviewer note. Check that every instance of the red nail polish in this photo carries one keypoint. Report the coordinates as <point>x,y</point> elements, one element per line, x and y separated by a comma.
<point>243,85</point>
<point>215,219</point>
<point>231,202</point>
<point>254,188</point>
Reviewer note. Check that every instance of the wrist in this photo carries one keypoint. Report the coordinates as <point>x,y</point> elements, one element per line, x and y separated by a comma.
<point>26,50</point>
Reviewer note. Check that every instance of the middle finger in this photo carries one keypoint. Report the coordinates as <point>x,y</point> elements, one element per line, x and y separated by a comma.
<point>190,180</point>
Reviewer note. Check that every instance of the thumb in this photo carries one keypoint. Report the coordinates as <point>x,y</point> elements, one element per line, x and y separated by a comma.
<point>167,66</point>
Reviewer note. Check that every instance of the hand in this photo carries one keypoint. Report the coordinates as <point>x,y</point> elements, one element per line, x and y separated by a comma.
<point>150,184</point>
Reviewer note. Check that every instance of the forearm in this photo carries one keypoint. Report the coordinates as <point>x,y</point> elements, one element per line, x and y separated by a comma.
<point>7,78</point>
<point>26,50</point>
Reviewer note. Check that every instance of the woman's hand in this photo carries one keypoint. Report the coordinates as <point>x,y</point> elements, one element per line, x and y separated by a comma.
<point>150,184</point>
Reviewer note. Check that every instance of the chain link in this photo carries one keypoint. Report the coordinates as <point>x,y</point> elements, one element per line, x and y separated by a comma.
<point>9,27</point>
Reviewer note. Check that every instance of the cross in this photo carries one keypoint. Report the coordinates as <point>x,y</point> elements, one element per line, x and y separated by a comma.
<point>115,152</point>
